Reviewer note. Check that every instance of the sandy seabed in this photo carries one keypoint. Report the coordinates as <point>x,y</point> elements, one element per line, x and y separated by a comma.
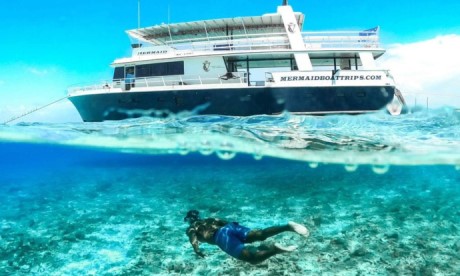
<point>124,216</point>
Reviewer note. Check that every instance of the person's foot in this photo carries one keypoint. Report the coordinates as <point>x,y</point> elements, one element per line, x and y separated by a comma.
<point>299,229</point>
<point>283,248</point>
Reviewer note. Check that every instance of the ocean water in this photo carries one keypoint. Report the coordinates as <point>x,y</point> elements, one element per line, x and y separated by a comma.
<point>380,194</point>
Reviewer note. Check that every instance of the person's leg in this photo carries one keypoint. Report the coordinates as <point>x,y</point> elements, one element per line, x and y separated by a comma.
<point>263,234</point>
<point>256,255</point>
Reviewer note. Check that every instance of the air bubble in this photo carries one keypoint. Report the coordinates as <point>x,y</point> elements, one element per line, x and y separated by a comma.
<point>205,148</point>
<point>258,156</point>
<point>380,168</point>
<point>226,152</point>
<point>183,149</point>
<point>313,165</point>
<point>351,167</point>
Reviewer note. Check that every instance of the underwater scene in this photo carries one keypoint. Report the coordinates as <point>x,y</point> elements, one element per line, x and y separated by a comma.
<point>380,195</point>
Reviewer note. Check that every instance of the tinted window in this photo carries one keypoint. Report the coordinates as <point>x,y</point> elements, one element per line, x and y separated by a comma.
<point>160,69</point>
<point>119,73</point>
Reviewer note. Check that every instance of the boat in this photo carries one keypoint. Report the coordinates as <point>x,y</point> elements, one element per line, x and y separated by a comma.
<point>245,66</point>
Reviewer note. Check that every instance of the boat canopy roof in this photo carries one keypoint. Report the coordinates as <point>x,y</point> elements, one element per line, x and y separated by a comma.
<point>169,33</point>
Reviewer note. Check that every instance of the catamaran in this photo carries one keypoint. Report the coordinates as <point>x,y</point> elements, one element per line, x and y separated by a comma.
<point>242,67</point>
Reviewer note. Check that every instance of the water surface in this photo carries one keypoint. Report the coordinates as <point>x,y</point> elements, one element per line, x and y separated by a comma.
<point>380,194</point>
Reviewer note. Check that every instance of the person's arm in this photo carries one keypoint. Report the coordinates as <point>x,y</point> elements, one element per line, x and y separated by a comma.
<point>191,233</point>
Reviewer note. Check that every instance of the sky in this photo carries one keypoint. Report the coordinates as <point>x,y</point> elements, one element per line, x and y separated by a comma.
<point>47,46</point>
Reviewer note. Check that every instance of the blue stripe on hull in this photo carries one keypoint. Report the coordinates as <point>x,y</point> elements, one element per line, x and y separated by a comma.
<point>235,102</point>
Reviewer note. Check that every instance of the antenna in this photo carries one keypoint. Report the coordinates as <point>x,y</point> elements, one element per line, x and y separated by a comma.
<point>169,13</point>
<point>138,44</point>
<point>138,14</point>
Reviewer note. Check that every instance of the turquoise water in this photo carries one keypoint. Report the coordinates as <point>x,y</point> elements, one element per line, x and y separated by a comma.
<point>380,194</point>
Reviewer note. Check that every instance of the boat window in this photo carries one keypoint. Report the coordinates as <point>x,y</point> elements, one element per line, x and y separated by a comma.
<point>119,73</point>
<point>336,63</point>
<point>160,69</point>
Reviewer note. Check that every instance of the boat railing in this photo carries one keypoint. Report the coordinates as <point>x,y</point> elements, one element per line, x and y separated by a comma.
<point>278,41</point>
<point>234,43</point>
<point>163,81</point>
<point>341,39</point>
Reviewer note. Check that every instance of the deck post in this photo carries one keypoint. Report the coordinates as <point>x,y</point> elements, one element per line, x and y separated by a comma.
<point>295,37</point>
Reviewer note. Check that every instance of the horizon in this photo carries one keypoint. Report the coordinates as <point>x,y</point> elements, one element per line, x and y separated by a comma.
<point>52,45</point>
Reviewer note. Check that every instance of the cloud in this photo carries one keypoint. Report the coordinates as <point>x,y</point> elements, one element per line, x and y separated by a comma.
<point>29,87</point>
<point>41,71</point>
<point>27,84</point>
<point>427,70</point>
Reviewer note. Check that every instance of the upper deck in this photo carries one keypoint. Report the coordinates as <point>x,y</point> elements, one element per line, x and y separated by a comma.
<point>168,34</point>
<point>339,44</point>
<point>266,34</point>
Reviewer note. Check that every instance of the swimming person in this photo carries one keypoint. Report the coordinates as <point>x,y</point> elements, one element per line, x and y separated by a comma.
<point>231,237</point>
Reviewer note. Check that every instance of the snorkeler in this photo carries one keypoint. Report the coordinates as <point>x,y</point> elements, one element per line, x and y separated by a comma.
<point>231,237</point>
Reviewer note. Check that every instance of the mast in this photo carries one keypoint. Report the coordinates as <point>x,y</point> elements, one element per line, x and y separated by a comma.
<point>285,3</point>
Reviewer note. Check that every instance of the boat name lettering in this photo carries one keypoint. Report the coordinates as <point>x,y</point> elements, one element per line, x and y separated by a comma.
<point>152,52</point>
<point>336,78</point>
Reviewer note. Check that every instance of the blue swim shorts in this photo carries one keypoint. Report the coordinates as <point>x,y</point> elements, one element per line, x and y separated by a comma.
<point>231,238</point>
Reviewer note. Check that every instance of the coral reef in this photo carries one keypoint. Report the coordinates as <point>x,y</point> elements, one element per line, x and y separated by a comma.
<point>125,217</point>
